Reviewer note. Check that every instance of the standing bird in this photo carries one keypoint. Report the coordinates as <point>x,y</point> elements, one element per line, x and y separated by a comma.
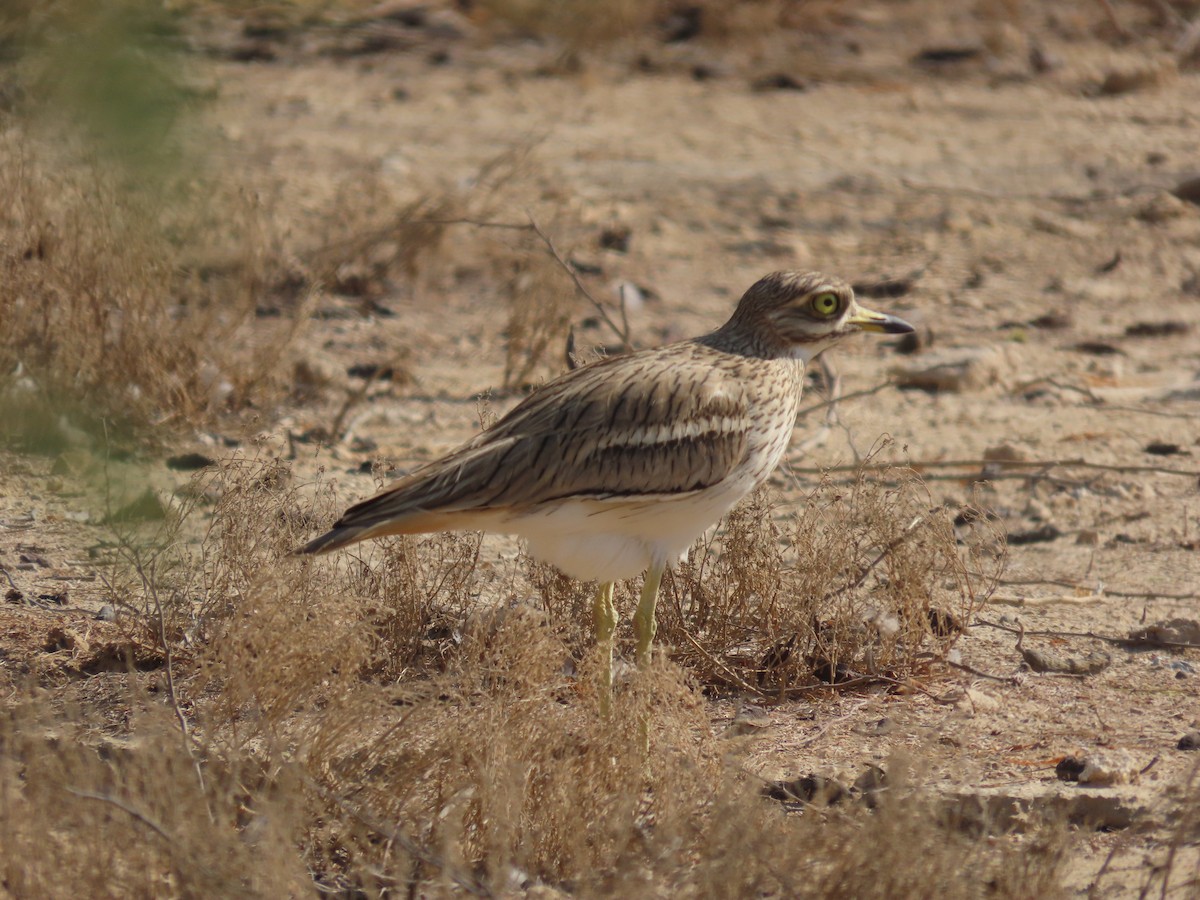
<point>615,468</point>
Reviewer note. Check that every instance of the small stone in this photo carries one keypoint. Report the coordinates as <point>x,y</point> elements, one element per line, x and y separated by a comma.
<point>1036,510</point>
<point>943,622</point>
<point>935,57</point>
<point>1164,448</point>
<point>870,784</point>
<point>979,700</point>
<point>1005,453</point>
<point>1163,207</point>
<point>1068,768</point>
<point>1041,535</point>
<point>816,789</point>
<point>251,51</point>
<point>373,371</point>
<point>780,81</point>
<point>631,297</point>
<point>1042,60</point>
<point>877,728</point>
<point>107,613</point>
<point>1108,767</point>
<point>683,24</point>
<point>1098,348</point>
<point>913,342</point>
<point>146,508</point>
<point>1063,227</point>
<point>1052,321</point>
<point>58,598</point>
<point>1140,78</point>
<point>1087,537</point>
<point>1172,631</point>
<point>1190,741</point>
<point>1169,328</point>
<point>952,371</point>
<point>616,238</point>
<point>748,720</point>
<point>189,462</point>
<point>1052,661</point>
<point>1005,41</point>
<point>1188,190</point>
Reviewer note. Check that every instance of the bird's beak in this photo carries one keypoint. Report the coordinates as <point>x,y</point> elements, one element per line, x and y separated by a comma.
<point>881,323</point>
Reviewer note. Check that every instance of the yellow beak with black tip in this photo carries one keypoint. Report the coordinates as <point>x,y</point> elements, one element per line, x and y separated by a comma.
<point>880,323</point>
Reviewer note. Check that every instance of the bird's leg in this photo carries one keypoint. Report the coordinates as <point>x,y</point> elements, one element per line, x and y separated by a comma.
<point>644,625</point>
<point>605,616</point>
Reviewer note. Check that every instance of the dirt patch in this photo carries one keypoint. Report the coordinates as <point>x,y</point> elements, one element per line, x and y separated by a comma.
<point>1012,179</point>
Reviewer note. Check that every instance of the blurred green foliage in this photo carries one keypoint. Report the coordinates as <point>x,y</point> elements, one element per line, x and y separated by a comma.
<point>112,73</point>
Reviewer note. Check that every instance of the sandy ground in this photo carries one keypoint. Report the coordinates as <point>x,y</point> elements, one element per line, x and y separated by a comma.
<point>1051,273</point>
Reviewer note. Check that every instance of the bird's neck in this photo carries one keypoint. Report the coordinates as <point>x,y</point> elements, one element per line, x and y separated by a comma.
<point>756,343</point>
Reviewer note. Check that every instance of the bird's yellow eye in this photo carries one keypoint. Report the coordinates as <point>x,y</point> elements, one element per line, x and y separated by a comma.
<point>826,304</point>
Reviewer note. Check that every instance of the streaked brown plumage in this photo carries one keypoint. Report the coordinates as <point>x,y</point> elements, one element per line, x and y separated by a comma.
<point>618,466</point>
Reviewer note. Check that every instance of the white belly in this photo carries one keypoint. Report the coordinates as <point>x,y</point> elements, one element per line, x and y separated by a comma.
<point>608,540</point>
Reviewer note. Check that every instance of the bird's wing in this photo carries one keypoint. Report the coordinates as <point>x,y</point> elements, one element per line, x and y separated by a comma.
<point>616,428</point>
<point>641,424</point>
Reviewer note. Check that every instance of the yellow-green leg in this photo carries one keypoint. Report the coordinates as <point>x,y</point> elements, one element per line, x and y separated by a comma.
<point>604,614</point>
<point>644,625</point>
<point>644,628</point>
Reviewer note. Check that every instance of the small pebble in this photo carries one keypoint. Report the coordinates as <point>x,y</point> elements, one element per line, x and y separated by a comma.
<point>1139,78</point>
<point>1188,190</point>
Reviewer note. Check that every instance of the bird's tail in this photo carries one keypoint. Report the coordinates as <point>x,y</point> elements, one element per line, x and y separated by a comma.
<point>377,517</point>
<point>335,539</point>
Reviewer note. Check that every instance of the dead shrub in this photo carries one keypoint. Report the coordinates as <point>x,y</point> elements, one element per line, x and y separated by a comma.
<point>370,234</point>
<point>486,765</point>
<point>88,812</point>
<point>499,765</point>
<point>420,593</point>
<point>567,602</point>
<point>107,315</point>
<point>867,580</point>
<point>303,748</point>
<point>127,270</point>
<point>541,303</point>
<point>903,844</point>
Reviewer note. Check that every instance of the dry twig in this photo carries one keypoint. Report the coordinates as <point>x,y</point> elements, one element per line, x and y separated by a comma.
<point>1029,468</point>
<point>622,330</point>
<point>1158,595</point>
<point>125,808</point>
<point>1021,631</point>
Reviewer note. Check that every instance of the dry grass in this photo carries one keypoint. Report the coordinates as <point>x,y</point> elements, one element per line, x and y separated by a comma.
<point>541,306</point>
<point>95,310</point>
<point>128,269</point>
<point>866,582</point>
<point>580,24</point>
<point>128,305</point>
<point>416,717</point>
<point>403,719</point>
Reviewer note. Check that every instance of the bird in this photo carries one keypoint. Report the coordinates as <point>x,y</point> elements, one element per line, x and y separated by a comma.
<point>615,468</point>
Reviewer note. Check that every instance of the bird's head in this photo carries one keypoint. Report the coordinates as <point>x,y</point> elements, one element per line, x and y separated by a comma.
<point>799,314</point>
